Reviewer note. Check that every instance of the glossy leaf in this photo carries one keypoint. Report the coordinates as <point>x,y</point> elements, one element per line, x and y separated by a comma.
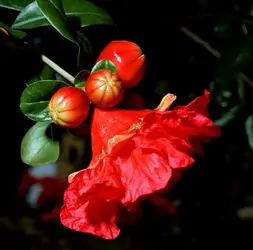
<point>85,12</point>
<point>44,13</point>
<point>18,5</point>
<point>47,73</point>
<point>37,148</point>
<point>36,96</point>
<point>104,64</point>
<point>14,33</point>
<point>54,13</point>
<point>30,17</point>
<point>80,78</point>
<point>249,130</point>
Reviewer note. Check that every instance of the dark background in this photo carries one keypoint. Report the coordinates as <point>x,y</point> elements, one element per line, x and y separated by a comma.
<point>216,187</point>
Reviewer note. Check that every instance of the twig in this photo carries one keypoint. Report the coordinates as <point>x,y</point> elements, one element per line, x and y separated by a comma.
<point>209,48</point>
<point>58,69</point>
<point>200,41</point>
<point>246,79</point>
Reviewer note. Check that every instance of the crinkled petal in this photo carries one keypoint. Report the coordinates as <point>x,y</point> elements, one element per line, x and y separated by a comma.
<point>175,152</point>
<point>186,130</point>
<point>90,207</point>
<point>142,172</point>
<point>198,105</point>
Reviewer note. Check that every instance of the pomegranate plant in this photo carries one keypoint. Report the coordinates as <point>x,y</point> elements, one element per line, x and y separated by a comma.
<point>55,99</point>
<point>136,151</point>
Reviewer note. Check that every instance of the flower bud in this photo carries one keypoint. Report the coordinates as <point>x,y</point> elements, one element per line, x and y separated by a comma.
<point>104,88</point>
<point>128,60</point>
<point>69,107</point>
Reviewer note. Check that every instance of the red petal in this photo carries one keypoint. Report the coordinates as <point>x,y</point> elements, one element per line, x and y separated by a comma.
<point>142,172</point>
<point>198,105</point>
<point>134,153</point>
<point>90,207</point>
<point>106,123</point>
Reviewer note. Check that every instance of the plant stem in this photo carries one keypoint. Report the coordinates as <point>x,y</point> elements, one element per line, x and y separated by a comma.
<point>212,50</point>
<point>200,41</point>
<point>58,69</point>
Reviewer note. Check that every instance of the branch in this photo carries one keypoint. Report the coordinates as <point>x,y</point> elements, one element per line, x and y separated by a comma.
<point>58,69</point>
<point>200,41</point>
<point>209,48</point>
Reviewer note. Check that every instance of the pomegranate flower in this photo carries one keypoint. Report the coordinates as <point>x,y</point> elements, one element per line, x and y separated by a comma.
<point>135,153</point>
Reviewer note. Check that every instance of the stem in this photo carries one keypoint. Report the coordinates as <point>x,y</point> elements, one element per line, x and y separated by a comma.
<point>209,48</point>
<point>200,41</point>
<point>246,79</point>
<point>58,69</point>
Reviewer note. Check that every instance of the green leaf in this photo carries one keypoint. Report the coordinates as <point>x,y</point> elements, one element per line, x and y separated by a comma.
<point>37,148</point>
<point>85,12</point>
<point>227,117</point>
<point>81,77</point>
<point>18,5</point>
<point>238,58</point>
<point>14,33</point>
<point>47,73</point>
<point>36,96</point>
<point>54,12</point>
<point>44,13</point>
<point>249,130</point>
<point>104,64</point>
<point>30,17</point>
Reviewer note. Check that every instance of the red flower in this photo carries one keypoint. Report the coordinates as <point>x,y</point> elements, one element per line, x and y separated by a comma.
<point>134,154</point>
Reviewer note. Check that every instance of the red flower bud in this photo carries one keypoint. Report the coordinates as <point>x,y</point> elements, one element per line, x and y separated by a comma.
<point>128,60</point>
<point>69,107</point>
<point>104,88</point>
